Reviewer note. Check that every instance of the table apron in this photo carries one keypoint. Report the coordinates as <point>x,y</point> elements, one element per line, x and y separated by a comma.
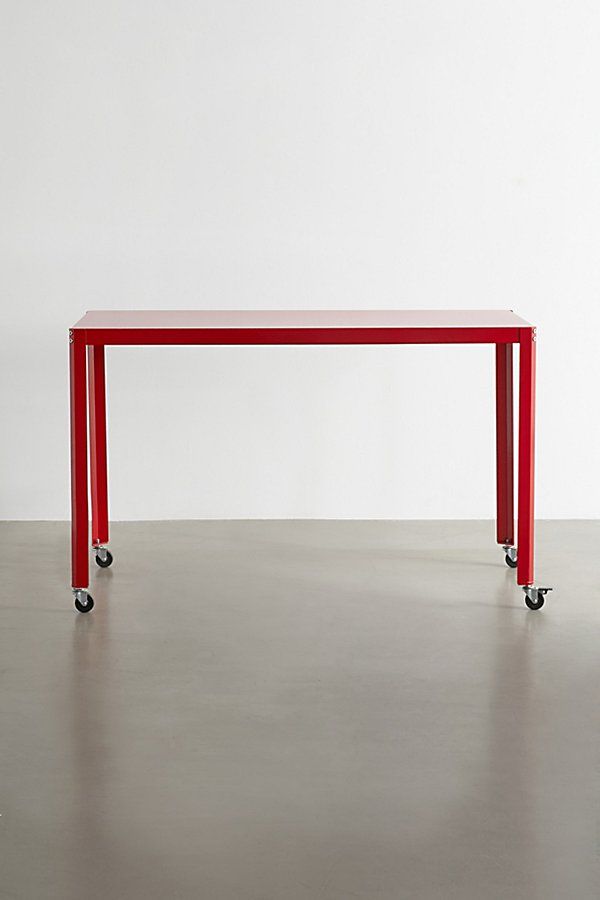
<point>279,336</point>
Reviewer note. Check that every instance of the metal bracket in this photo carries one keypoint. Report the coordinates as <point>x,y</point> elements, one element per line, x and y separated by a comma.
<point>531,590</point>
<point>81,595</point>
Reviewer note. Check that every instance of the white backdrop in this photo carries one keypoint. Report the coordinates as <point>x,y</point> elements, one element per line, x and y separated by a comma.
<point>424,153</point>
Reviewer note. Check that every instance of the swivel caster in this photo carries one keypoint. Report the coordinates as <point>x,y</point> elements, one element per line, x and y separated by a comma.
<point>534,597</point>
<point>511,556</point>
<point>104,557</point>
<point>84,602</point>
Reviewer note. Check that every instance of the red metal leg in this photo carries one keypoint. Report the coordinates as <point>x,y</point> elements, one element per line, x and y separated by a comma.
<point>79,487</point>
<point>505,517</point>
<point>526,454</point>
<point>98,476</point>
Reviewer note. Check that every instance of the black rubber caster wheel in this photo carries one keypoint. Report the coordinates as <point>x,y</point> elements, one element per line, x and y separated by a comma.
<point>512,563</point>
<point>535,602</point>
<point>84,602</point>
<point>106,562</point>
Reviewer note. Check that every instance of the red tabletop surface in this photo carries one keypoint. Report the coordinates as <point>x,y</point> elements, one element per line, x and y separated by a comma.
<point>317,318</point>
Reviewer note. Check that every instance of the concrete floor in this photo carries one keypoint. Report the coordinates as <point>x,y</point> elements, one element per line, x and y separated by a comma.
<point>299,710</point>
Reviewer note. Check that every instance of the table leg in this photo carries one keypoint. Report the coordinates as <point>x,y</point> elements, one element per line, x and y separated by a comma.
<point>526,455</point>
<point>79,486</point>
<point>505,520</point>
<point>97,415</point>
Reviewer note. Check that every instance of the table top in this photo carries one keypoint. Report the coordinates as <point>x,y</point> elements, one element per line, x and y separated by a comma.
<point>291,319</point>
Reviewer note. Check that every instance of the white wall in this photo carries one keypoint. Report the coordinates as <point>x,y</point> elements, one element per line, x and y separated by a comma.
<point>346,154</point>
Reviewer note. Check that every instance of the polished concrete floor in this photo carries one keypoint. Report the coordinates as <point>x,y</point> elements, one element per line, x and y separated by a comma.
<point>299,711</point>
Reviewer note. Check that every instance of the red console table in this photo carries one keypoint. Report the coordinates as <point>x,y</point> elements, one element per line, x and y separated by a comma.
<point>96,330</point>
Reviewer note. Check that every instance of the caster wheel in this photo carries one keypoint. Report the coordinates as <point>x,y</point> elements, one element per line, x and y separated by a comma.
<point>104,558</point>
<point>511,556</point>
<point>535,602</point>
<point>535,596</point>
<point>84,602</point>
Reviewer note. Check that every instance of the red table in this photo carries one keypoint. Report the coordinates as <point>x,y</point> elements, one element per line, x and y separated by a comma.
<point>503,328</point>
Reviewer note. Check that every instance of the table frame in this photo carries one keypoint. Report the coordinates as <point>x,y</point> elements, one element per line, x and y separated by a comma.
<point>87,392</point>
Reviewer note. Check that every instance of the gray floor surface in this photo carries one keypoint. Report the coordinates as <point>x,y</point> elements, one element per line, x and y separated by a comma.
<point>299,711</point>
